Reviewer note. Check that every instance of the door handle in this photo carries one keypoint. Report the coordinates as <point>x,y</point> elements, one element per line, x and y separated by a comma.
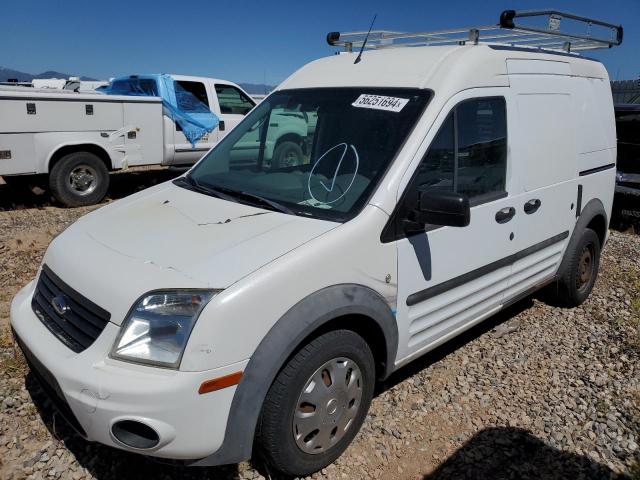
<point>221,125</point>
<point>532,206</point>
<point>506,214</point>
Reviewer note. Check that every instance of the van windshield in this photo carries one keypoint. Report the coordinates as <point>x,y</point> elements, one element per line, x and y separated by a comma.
<point>313,152</point>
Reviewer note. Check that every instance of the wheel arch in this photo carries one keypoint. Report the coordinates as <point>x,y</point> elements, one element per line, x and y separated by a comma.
<point>592,216</point>
<point>289,137</point>
<point>347,306</point>
<point>63,150</point>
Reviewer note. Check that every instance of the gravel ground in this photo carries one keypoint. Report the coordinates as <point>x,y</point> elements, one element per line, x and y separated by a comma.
<point>536,392</point>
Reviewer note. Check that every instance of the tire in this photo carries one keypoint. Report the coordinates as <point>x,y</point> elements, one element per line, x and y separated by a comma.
<point>287,154</point>
<point>79,179</point>
<point>282,439</point>
<point>575,284</point>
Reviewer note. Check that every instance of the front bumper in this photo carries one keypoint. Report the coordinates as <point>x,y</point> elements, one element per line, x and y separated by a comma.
<point>99,391</point>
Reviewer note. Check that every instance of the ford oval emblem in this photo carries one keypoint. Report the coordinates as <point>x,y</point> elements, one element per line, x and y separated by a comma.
<point>60,305</point>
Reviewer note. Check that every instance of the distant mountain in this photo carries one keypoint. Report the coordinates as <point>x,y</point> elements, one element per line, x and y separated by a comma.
<point>256,88</point>
<point>54,74</point>
<point>7,73</point>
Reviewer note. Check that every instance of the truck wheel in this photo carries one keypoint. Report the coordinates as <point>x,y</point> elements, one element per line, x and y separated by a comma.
<point>316,404</point>
<point>79,179</point>
<point>576,282</point>
<point>287,154</point>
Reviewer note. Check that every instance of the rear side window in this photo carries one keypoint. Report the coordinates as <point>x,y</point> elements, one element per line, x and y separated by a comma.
<point>469,153</point>
<point>233,100</point>
<point>191,96</point>
<point>135,86</point>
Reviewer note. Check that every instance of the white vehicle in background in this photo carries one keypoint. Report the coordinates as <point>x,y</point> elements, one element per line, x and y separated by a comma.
<point>250,309</point>
<point>49,83</point>
<point>78,138</point>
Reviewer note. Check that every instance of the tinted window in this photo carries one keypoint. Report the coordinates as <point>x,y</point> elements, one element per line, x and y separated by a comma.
<point>482,146</point>
<point>191,96</point>
<point>233,100</point>
<point>436,169</point>
<point>135,86</point>
<point>469,153</point>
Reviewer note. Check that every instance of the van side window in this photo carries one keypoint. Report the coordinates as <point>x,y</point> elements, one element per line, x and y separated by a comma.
<point>481,166</point>
<point>436,169</point>
<point>469,152</point>
<point>233,100</point>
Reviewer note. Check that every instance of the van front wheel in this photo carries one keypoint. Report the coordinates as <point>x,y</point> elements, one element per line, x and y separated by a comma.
<point>79,179</point>
<point>316,404</point>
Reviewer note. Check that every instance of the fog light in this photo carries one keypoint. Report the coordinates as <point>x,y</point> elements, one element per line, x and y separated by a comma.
<point>135,434</point>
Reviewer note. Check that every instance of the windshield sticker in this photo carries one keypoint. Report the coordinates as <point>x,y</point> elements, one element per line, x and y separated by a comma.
<point>378,102</point>
<point>331,191</point>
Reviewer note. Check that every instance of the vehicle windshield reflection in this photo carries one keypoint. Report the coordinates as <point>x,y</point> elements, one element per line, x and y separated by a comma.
<point>313,152</point>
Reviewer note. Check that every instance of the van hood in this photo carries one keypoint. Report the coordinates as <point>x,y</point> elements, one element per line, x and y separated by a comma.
<point>215,241</point>
<point>170,237</point>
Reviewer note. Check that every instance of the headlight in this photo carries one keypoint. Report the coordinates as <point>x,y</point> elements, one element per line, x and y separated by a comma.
<point>157,328</point>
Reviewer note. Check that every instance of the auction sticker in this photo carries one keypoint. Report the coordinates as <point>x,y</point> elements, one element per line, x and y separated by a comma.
<point>379,102</point>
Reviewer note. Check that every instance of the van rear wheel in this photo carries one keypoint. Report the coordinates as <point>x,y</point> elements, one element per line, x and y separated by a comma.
<point>79,179</point>
<point>317,404</point>
<point>576,283</point>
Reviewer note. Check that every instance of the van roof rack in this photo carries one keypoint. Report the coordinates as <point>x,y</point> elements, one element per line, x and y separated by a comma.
<point>547,36</point>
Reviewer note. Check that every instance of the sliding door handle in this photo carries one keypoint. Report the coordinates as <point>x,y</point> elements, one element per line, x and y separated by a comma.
<point>532,206</point>
<point>504,215</point>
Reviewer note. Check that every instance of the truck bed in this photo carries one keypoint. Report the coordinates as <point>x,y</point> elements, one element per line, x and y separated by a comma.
<point>41,111</point>
<point>35,124</point>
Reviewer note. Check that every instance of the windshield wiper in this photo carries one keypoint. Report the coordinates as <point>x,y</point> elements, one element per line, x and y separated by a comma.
<point>232,195</point>
<point>255,199</point>
<point>194,185</point>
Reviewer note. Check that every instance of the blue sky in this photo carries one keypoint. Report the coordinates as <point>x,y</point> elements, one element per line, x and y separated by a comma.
<point>248,41</point>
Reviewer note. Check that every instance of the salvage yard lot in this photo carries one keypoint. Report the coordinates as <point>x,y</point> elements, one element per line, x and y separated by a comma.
<point>536,392</point>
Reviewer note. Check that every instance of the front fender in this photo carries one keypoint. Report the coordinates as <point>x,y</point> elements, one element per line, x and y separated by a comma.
<point>280,343</point>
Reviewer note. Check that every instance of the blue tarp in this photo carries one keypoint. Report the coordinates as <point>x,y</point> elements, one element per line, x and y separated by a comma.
<point>182,106</point>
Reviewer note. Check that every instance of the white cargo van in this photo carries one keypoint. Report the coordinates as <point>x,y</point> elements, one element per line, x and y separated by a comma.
<point>257,304</point>
<point>78,138</point>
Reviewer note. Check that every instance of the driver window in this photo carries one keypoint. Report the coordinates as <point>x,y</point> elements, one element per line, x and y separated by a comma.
<point>469,153</point>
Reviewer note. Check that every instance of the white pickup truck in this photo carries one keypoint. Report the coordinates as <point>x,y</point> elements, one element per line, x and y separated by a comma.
<point>77,139</point>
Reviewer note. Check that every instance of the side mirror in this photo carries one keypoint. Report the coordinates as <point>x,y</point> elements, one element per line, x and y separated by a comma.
<point>444,208</point>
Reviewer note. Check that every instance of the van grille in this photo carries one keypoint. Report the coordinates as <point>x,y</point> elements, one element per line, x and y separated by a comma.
<point>77,321</point>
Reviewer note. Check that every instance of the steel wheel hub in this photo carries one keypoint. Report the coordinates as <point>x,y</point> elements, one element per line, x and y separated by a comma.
<point>585,267</point>
<point>83,179</point>
<point>327,405</point>
<point>290,159</point>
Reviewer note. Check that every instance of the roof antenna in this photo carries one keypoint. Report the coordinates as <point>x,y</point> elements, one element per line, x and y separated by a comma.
<point>359,57</point>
